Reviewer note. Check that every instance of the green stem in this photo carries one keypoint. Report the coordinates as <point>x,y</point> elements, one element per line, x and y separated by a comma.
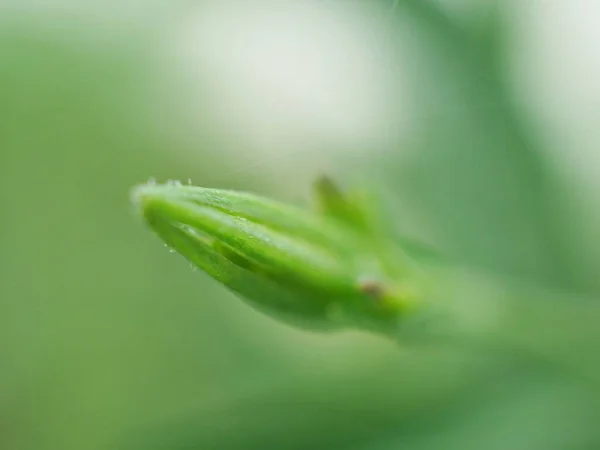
<point>476,310</point>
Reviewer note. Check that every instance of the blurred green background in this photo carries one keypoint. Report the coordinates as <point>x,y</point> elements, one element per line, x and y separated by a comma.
<point>476,121</point>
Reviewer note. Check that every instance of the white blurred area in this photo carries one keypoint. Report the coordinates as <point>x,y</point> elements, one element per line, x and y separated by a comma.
<point>557,70</point>
<point>292,87</point>
<point>295,87</point>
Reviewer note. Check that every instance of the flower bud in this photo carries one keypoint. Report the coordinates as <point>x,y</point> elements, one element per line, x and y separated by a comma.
<point>298,266</point>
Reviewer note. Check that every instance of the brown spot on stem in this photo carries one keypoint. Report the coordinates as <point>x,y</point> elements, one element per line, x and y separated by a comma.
<point>372,288</point>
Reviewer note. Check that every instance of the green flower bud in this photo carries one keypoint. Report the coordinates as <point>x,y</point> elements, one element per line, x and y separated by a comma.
<point>318,271</point>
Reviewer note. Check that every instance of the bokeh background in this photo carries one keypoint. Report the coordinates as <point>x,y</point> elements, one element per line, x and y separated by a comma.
<point>475,120</point>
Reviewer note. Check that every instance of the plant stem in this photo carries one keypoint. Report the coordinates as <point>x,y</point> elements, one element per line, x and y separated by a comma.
<point>478,311</point>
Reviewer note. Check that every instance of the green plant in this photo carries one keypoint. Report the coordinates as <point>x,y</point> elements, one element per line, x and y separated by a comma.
<point>337,268</point>
<point>326,270</point>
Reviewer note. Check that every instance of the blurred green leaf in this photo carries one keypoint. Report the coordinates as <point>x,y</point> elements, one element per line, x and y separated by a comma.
<point>477,175</point>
